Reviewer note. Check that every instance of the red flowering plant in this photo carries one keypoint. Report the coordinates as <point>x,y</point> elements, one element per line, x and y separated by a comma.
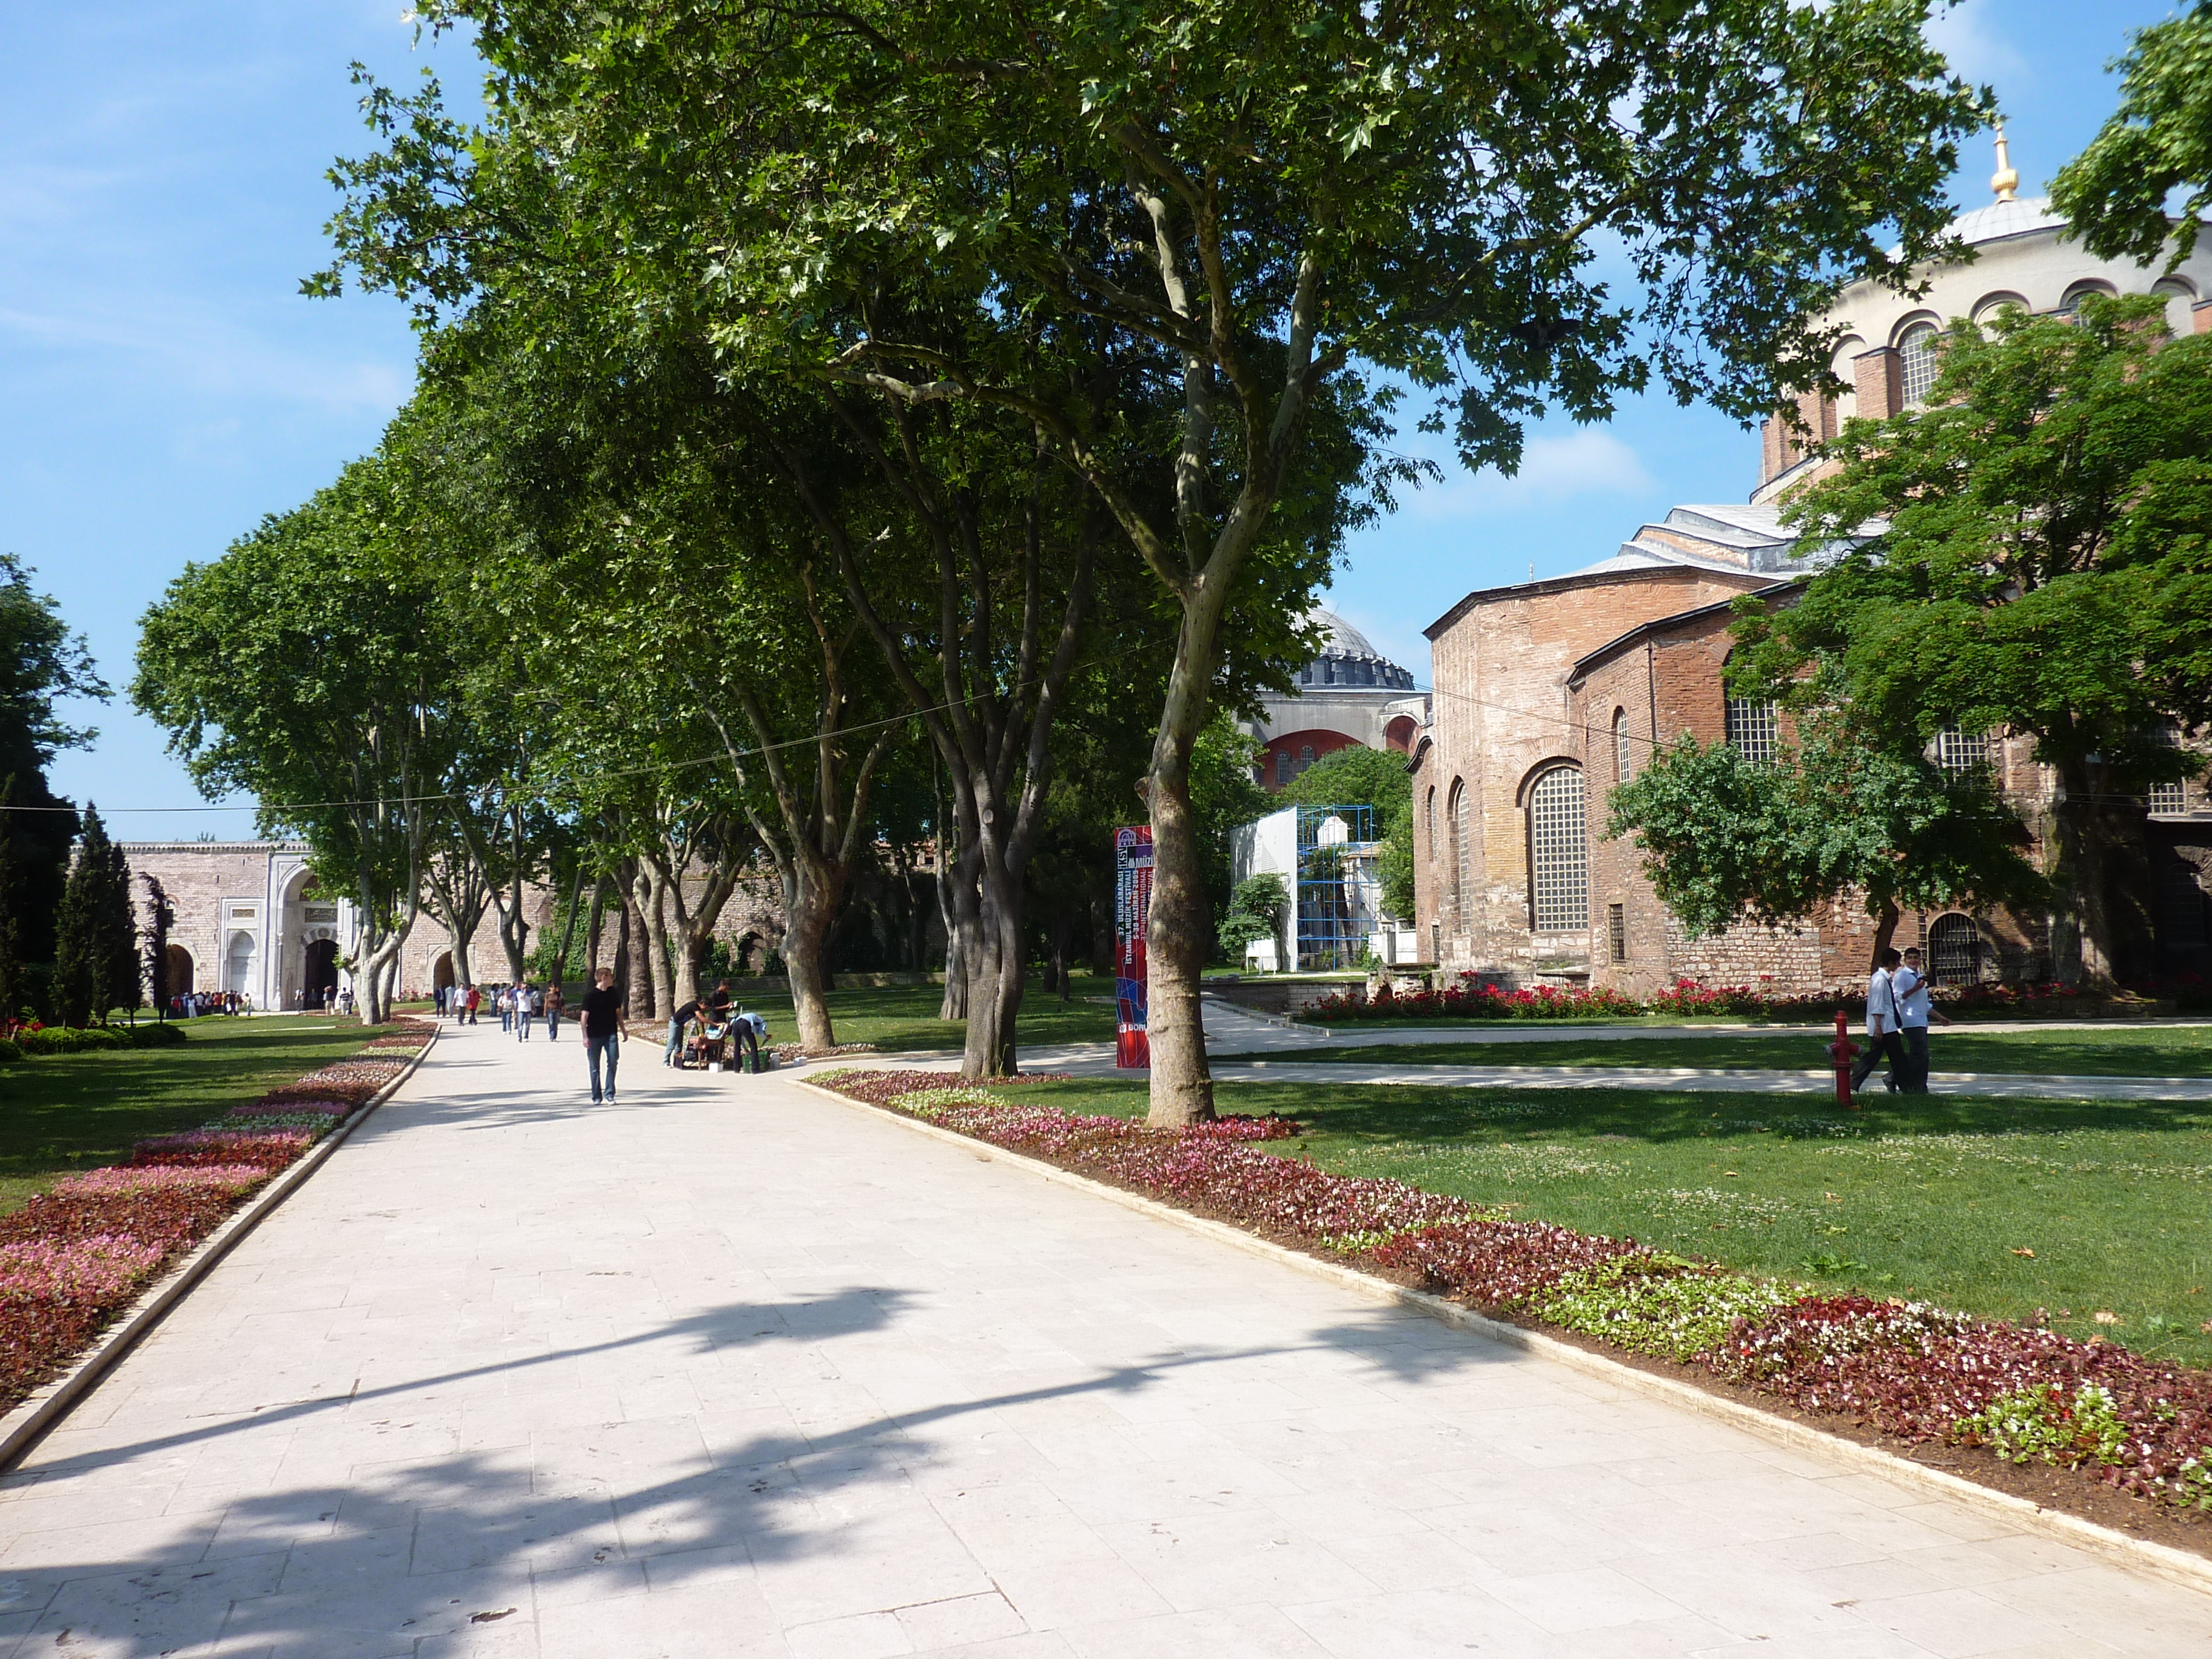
<point>1473,998</point>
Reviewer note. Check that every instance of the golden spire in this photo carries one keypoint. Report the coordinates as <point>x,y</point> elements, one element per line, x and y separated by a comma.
<point>2004,181</point>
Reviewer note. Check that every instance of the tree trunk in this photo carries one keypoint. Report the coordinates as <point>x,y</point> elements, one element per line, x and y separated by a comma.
<point>994,971</point>
<point>1176,941</point>
<point>651,886</point>
<point>1885,931</point>
<point>637,943</point>
<point>569,932</point>
<point>2084,846</point>
<point>810,908</point>
<point>591,928</point>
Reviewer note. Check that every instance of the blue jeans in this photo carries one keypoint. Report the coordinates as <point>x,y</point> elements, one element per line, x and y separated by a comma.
<point>552,1025</point>
<point>507,1019</point>
<point>522,1027</point>
<point>675,1042</point>
<point>610,1045</point>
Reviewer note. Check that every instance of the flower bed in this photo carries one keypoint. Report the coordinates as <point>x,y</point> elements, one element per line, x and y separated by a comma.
<point>1473,1000</point>
<point>1908,1368</point>
<point>73,1258</point>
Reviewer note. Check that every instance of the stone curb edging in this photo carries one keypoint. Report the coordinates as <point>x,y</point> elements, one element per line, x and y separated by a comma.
<point>2176,1566</point>
<point>29,1423</point>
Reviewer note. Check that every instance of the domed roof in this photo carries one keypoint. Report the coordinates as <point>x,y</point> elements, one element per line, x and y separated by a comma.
<point>1344,639</point>
<point>1346,658</point>
<point>2000,220</point>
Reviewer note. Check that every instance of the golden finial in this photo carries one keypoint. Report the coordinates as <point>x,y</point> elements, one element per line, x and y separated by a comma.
<point>2004,181</point>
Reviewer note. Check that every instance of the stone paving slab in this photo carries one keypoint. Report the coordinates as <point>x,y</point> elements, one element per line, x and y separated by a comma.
<point>724,1368</point>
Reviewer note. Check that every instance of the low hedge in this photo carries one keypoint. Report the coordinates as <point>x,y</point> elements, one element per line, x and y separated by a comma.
<point>72,1040</point>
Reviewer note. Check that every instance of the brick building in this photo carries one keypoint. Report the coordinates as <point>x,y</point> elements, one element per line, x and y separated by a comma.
<point>1549,693</point>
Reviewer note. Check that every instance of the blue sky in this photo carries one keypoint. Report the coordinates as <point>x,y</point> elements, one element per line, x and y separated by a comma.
<point>163,385</point>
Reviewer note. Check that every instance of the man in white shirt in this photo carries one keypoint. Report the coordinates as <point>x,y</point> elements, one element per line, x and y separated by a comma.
<point>1882,1040</point>
<point>1915,1008</point>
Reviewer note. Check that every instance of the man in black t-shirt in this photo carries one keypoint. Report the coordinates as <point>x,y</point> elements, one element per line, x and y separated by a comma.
<point>605,1023</point>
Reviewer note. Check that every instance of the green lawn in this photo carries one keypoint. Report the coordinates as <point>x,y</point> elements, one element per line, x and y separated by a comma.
<point>1925,1197</point>
<point>2121,1051</point>
<point>904,1017</point>
<point>68,1112</point>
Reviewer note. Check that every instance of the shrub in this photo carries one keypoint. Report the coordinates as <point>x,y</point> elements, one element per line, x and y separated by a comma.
<point>10,1051</point>
<point>156,1034</point>
<point>1471,998</point>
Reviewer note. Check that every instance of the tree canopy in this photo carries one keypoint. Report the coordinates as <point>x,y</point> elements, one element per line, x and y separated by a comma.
<point>2033,556</point>
<point>1268,216</point>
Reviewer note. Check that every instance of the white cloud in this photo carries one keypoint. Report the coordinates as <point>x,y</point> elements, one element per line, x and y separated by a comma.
<point>1587,461</point>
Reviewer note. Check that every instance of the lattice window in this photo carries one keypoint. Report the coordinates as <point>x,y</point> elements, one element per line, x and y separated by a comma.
<point>1917,359</point>
<point>1960,752</point>
<point>2169,795</point>
<point>1751,728</point>
<point>1616,931</point>
<point>1455,812</point>
<point>1954,950</point>
<point>1624,762</point>
<point>1559,871</point>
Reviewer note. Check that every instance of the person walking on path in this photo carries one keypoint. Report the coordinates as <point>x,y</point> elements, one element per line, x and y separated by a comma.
<point>525,1008</point>
<point>605,1023</point>
<point>676,1021</point>
<point>1882,1040</point>
<point>503,1004</point>
<point>554,1003</point>
<point>474,1000</point>
<point>1915,1008</point>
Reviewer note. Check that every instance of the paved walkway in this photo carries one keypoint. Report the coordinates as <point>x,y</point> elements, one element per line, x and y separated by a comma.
<point>1232,1032</point>
<point>728,1370</point>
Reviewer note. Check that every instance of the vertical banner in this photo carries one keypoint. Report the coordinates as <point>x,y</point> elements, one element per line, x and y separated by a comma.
<point>1132,910</point>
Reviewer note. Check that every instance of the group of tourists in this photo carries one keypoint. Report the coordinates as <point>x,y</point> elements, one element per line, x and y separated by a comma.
<point>701,1031</point>
<point>191,1005</point>
<point>1899,1008</point>
<point>519,1006</point>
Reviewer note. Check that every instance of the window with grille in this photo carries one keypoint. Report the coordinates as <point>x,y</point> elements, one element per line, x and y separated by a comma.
<point>2169,796</point>
<point>1616,931</point>
<point>1624,766</point>
<point>1282,768</point>
<point>1558,873</point>
<point>1954,950</point>
<point>1455,811</point>
<point>1960,752</point>
<point>1751,728</point>
<point>1916,362</point>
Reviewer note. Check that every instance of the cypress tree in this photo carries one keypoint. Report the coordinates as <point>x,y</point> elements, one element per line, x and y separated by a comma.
<point>119,934</point>
<point>11,962</point>
<point>162,917</point>
<point>84,929</point>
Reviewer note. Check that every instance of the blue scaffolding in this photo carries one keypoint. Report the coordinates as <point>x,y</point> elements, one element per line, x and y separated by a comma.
<point>1336,918</point>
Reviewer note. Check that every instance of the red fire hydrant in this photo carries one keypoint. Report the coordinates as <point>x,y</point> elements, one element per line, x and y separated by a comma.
<point>1844,1051</point>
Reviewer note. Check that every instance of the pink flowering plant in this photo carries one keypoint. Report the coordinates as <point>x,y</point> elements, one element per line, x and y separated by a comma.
<point>97,1270</point>
<point>125,1181</point>
<point>1907,1368</point>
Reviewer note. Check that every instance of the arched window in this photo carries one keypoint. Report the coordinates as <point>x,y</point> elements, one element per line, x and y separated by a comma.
<point>1623,764</point>
<point>1305,756</point>
<point>1751,728</point>
<point>1954,950</point>
<point>1282,768</point>
<point>1429,823</point>
<point>1455,822</point>
<point>1917,363</point>
<point>1559,871</point>
<point>1960,752</point>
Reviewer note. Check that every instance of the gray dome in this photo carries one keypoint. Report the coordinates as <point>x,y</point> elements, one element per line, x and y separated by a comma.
<point>1347,658</point>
